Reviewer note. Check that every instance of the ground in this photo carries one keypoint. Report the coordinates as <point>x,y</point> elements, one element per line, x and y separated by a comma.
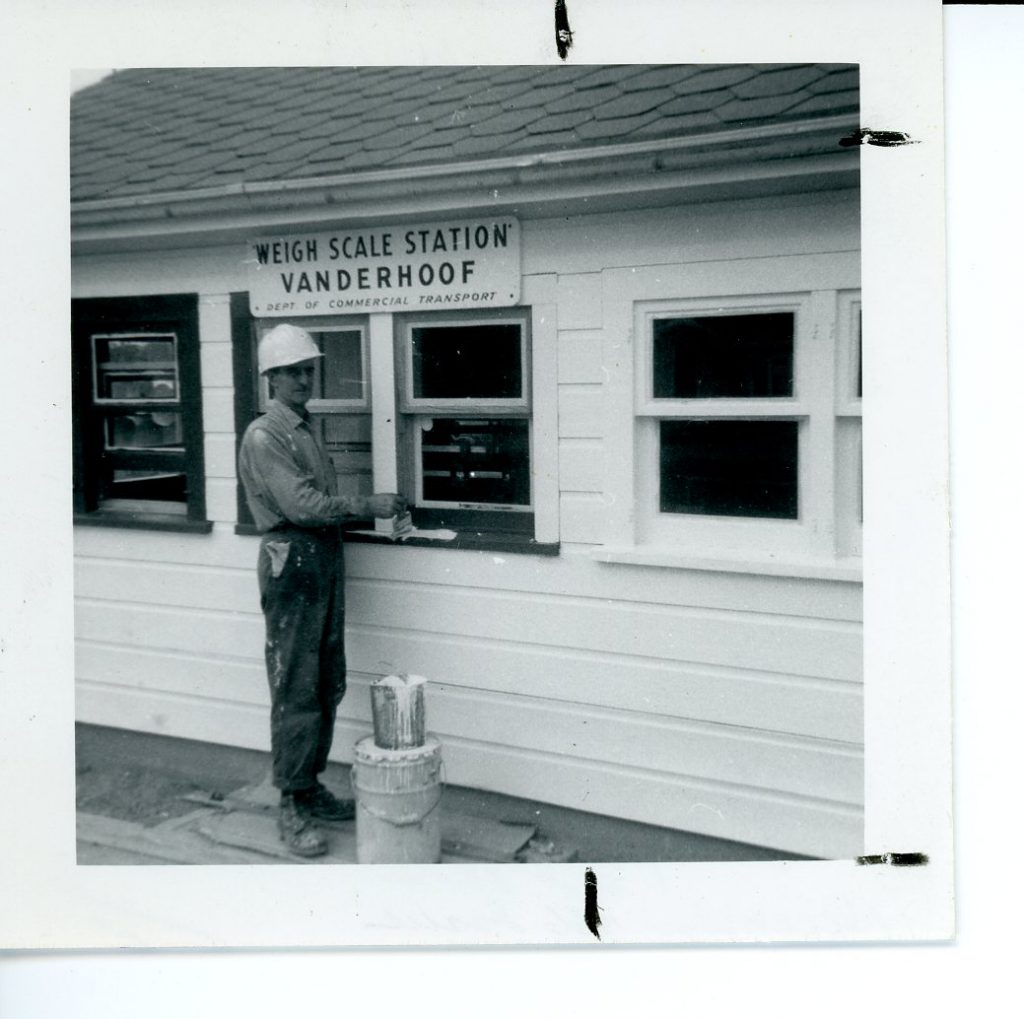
<point>141,778</point>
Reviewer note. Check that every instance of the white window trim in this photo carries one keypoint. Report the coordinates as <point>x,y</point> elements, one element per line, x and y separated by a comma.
<point>806,547</point>
<point>849,428</point>
<point>453,406</point>
<point>420,408</point>
<point>338,325</point>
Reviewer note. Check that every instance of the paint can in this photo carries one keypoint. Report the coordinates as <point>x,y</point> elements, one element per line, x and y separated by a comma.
<point>398,793</point>
<point>399,718</point>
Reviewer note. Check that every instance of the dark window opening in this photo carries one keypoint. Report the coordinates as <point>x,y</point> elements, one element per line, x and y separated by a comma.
<point>729,468</point>
<point>137,408</point>
<point>479,362</point>
<point>475,461</point>
<point>724,356</point>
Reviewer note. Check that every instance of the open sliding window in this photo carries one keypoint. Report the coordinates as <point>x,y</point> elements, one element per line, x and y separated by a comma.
<point>465,432</point>
<point>137,412</point>
<point>724,424</point>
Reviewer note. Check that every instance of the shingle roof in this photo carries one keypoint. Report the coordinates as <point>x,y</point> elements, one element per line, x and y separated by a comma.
<point>152,131</point>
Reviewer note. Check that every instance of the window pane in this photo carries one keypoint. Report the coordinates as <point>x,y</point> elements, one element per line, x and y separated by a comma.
<point>163,486</point>
<point>136,368</point>
<point>144,429</point>
<point>723,356</point>
<point>468,362</point>
<point>476,461</point>
<point>729,468</point>
<point>339,374</point>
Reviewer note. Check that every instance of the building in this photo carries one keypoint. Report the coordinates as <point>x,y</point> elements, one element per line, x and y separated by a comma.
<point>602,323</point>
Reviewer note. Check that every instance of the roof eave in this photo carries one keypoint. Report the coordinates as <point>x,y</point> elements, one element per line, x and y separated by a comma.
<point>744,154</point>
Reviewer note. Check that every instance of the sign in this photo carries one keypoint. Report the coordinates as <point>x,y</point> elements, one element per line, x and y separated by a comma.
<point>435,267</point>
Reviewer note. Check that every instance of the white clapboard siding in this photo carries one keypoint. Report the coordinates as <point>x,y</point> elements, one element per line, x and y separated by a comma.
<point>756,700</point>
<point>149,562</point>
<point>794,647</point>
<point>831,650</point>
<point>792,705</point>
<point>756,228</point>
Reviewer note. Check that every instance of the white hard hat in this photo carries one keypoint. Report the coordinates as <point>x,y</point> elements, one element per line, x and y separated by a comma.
<point>286,344</point>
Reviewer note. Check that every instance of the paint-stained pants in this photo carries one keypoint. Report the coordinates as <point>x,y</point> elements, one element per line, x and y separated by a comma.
<point>302,576</point>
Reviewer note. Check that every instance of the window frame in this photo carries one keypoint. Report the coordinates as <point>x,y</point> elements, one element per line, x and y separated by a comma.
<point>722,531</point>
<point>412,410</point>
<point>849,412</point>
<point>152,315</point>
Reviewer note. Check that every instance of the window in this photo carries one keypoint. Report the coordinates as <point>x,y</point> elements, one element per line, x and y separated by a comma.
<point>138,435</point>
<point>465,434</point>
<point>722,423</point>
<point>341,404</point>
<point>849,431</point>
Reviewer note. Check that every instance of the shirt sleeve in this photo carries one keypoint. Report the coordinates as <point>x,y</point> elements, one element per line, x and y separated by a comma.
<point>291,488</point>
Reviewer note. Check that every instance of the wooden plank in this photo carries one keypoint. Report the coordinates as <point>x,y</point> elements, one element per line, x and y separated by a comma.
<point>155,846</point>
<point>581,465</point>
<point>482,838</point>
<point>713,231</point>
<point>753,700</point>
<point>583,517</point>
<point>462,835</point>
<point>830,650</point>
<point>579,300</point>
<point>258,833</point>
<point>168,584</point>
<point>218,410</point>
<point>166,271</point>
<point>579,356</point>
<point>581,410</point>
<point>789,645</point>
<point>98,548</point>
<point>219,455</point>
<point>220,500</point>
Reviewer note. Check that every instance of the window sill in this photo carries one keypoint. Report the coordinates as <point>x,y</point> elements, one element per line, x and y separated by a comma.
<point>144,522</point>
<point>848,569</point>
<point>477,541</point>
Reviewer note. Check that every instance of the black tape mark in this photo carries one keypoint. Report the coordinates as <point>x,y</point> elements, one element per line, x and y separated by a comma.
<point>563,33</point>
<point>884,139</point>
<point>895,859</point>
<point>590,908</point>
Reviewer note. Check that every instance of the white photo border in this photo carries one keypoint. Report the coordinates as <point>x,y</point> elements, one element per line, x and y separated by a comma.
<point>53,904</point>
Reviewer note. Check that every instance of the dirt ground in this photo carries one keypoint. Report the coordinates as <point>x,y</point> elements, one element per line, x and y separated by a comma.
<point>142,778</point>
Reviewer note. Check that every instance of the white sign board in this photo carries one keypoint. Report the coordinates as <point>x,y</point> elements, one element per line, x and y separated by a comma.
<point>466,264</point>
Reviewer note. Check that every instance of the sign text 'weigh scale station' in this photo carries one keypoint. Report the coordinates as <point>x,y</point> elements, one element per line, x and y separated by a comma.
<point>436,266</point>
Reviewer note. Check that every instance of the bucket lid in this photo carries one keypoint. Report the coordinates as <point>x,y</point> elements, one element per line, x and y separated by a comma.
<point>367,750</point>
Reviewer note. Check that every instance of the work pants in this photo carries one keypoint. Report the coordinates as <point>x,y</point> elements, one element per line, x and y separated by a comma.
<point>301,576</point>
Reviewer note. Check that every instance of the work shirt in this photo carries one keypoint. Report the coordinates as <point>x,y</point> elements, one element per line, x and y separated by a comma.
<point>287,474</point>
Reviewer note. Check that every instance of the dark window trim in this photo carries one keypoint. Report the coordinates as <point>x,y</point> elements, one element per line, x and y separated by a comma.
<point>178,313</point>
<point>246,382</point>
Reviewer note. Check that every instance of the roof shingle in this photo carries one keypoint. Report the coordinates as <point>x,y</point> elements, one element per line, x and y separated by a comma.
<point>151,130</point>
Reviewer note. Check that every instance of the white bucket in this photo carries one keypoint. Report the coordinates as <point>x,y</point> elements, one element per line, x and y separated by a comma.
<point>398,793</point>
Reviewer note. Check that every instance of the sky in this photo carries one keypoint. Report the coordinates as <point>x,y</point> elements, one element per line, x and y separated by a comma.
<point>82,78</point>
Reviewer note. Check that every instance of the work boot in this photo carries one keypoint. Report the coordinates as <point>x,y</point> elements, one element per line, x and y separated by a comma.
<point>322,803</point>
<point>299,832</point>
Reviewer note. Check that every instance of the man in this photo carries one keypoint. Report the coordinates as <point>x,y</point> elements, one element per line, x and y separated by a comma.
<point>291,488</point>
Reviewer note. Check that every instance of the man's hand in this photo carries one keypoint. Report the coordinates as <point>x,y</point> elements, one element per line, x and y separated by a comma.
<point>386,504</point>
